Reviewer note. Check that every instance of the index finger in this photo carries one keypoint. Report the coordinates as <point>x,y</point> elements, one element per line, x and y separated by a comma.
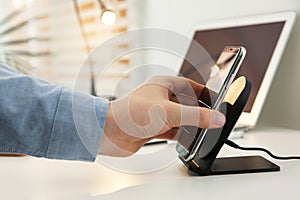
<point>179,85</point>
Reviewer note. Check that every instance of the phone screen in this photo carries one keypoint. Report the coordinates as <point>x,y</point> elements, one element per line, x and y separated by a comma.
<point>219,76</point>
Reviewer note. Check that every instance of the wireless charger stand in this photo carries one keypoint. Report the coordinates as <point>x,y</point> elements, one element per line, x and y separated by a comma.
<point>205,162</point>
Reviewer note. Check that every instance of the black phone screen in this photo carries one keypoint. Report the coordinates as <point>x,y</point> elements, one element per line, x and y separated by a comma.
<point>213,77</point>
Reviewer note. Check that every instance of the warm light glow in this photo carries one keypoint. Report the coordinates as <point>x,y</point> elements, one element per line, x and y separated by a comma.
<point>17,3</point>
<point>108,17</point>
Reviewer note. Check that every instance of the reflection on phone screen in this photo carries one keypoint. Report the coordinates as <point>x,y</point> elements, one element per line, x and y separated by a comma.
<point>215,76</point>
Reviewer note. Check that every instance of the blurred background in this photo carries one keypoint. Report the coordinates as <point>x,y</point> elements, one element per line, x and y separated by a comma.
<point>50,39</point>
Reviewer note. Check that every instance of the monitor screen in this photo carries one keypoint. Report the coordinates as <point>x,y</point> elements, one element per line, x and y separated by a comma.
<point>260,41</point>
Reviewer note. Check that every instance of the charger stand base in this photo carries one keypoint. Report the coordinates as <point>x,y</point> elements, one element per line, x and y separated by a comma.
<point>205,161</point>
<point>234,165</point>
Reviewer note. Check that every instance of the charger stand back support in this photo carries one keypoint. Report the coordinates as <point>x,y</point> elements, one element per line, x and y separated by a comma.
<point>205,162</point>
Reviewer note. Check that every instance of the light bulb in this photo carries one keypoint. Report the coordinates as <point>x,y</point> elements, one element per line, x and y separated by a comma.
<point>17,4</point>
<point>108,17</point>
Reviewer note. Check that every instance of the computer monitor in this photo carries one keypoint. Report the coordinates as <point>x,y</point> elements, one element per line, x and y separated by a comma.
<point>264,37</point>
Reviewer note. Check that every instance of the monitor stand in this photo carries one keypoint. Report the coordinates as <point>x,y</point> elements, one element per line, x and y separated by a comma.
<point>238,133</point>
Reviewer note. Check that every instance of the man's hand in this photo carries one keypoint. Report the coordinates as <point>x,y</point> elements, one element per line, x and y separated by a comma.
<point>154,110</point>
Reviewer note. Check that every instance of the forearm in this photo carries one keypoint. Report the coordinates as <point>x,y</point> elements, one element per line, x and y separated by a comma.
<point>44,120</point>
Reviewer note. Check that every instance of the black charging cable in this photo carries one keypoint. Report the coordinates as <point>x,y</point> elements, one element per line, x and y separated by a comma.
<point>236,146</point>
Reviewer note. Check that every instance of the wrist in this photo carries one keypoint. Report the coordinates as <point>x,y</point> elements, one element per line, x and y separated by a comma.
<point>113,142</point>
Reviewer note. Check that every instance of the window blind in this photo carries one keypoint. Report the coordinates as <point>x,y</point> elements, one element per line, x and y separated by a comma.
<point>43,37</point>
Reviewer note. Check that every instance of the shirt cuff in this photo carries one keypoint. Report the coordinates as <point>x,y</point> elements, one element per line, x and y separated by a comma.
<point>77,127</point>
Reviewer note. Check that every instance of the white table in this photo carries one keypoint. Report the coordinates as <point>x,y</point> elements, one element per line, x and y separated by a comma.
<point>41,179</point>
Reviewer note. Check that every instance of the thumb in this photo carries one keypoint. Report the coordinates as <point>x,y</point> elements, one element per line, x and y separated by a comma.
<point>182,115</point>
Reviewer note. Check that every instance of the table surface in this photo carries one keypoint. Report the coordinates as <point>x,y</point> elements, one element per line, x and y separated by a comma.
<point>149,176</point>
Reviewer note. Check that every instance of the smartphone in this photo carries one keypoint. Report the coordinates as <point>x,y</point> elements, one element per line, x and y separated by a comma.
<point>220,78</point>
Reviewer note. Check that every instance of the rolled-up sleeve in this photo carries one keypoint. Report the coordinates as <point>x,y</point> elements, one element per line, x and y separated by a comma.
<point>44,120</point>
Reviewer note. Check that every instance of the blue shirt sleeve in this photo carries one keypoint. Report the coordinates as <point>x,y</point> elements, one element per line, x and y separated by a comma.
<point>44,120</point>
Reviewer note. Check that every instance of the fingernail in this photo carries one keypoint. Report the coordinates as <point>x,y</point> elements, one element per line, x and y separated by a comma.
<point>218,119</point>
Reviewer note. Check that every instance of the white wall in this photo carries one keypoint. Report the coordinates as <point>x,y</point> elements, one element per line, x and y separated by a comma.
<point>282,107</point>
